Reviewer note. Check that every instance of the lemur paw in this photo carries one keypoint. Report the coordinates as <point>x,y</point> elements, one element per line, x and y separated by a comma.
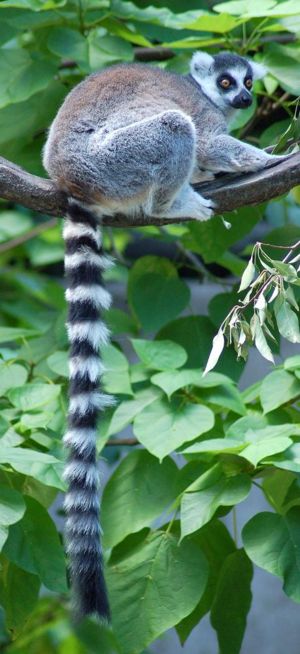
<point>199,208</point>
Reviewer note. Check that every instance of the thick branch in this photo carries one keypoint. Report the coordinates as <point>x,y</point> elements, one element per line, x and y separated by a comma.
<point>228,191</point>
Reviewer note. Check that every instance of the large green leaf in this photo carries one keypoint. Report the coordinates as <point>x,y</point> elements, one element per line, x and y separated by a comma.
<point>284,67</point>
<point>160,355</point>
<point>128,409</point>
<point>58,362</point>
<point>12,508</point>
<point>273,543</point>
<point>154,588</point>
<point>21,76</point>
<point>12,224</point>
<point>155,292</point>
<point>207,493</point>
<point>232,602</point>
<point>163,426</point>
<point>33,544</point>
<point>267,441</point>
<point>211,238</point>
<point>33,396</point>
<point>226,396</point>
<point>259,8</point>
<point>69,44</point>
<point>19,592</point>
<point>195,334</point>
<point>12,333</point>
<point>11,375</point>
<point>44,467</point>
<point>116,376</point>
<point>278,388</point>
<point>215,543</point>
<point>288,460</point>
<point>260,439</point>
<point>139,490</point>
<point>171,381</point>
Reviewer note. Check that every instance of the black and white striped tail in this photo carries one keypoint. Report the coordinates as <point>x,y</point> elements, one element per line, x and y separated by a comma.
<point>84,264</point>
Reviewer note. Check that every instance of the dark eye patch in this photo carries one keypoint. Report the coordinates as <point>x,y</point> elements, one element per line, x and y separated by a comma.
<point>248,82</point>
<point>229,78</point>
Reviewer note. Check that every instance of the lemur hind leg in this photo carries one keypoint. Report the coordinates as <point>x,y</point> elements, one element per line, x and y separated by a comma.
<point>148,165</point>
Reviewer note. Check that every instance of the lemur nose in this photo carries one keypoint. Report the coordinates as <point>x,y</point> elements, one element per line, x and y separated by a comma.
<point>246,99</point>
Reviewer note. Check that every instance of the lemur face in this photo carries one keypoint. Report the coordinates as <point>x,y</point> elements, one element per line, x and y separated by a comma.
<point>226,78</point>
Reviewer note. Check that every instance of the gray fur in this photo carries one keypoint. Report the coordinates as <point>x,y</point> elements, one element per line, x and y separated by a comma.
<point>129,139</point>
<point>133,137</point>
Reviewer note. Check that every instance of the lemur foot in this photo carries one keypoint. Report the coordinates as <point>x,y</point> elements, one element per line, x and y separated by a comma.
<point>189,204</point>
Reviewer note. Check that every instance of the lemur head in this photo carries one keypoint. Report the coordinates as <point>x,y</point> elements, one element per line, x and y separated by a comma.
<point>226,78</point>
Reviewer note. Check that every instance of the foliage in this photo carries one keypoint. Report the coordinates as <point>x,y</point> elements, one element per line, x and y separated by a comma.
<point>170,558</point>
<point>274,284</point>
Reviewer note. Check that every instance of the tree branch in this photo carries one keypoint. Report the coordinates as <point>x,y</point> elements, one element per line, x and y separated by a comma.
<point>228,191</point>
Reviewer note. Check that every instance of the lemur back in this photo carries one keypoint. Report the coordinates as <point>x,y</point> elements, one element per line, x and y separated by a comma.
<point>130,139</point>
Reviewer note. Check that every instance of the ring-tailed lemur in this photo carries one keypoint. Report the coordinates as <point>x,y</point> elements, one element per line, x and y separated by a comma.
<point>129,139</point>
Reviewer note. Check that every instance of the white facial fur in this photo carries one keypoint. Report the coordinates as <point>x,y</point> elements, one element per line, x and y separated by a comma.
<point>202,70</point>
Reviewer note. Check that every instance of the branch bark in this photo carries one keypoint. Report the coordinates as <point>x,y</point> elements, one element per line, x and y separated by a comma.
<point>227,191</point>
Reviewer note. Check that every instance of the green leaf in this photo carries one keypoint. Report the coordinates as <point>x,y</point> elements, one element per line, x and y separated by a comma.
<point>216,351</point>
<point>171,381</point>
<point>226,396</point>
<point>95,637</point>
<point>287,320</point>
<point>207,493</point>
<point>247,276</point>
<point>11,375</point>
<point>12,506</point>
<point>142,609</point>
<point>265,442</point>
<point>128,409</point>
<point>278,388</point>
<point>33,543</point>
<point>120,322</point>
<point>155,292</point>
<point>260,339</point>
<point>195,334</point>
<point>21,76</point>
<point>116,376</point>
<point>138,492</point>
<point>211,239</point>
<point>258,8</point>
<point>12,224</point>
<point>33,396</point>
<point>69,44</point>
<point>215,543</point>
<point>215,445</point>
<point>289,460</point>
<point>106,49</point>
<point>160,355</point>
<point>292,363</point>
<point>283,67</point>
<point>163,426</point>
<point>272,542</point>
<point>232,602</point>
<point>44,467</point>
<point>58,362</point>
<point>19,592</point>
<point>8,334</point>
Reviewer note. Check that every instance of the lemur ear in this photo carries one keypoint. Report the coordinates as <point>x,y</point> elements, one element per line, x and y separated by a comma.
<point>201,64</point>
<point>258,70</point>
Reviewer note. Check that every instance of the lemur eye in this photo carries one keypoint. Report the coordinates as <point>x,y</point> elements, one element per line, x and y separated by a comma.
<point>248,83</point>
<point>225,83</point>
